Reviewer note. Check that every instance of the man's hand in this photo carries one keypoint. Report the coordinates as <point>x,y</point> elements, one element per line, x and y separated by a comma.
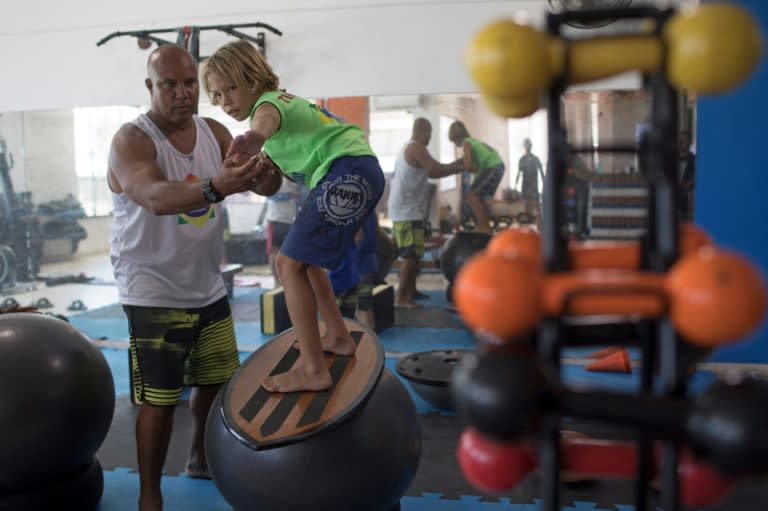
<point>239,159</point>
<point>270,179</point>
<point>239,173</point>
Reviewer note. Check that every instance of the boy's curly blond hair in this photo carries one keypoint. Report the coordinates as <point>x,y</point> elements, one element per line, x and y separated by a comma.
<point>242,64</point>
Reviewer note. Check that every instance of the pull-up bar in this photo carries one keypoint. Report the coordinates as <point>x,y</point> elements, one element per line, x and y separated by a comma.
<point>189,36</point>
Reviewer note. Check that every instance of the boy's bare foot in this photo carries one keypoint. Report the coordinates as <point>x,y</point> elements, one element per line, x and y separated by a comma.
<point>408,305</point>
<point>297,380</point>
<point>337,345</point>
<point>344,346</point>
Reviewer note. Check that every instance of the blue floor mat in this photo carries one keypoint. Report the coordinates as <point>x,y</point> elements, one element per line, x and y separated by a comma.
<point>110,322</point>
<point>575,376</point>
<point>121,491</point>
<point>121,484</point>
<point>399,339</point>
<point>118,363</point>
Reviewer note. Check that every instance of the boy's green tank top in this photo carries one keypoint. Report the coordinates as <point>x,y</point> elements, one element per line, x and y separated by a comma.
<point>309,138</point>
<point>484,156</point>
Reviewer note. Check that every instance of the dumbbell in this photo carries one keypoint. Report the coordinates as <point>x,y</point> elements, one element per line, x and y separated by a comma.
<point>621,255</point>
<point>712,296</point>
<point>499,466</point>
<point>711,49</point>
<point>505,394</point>
<point>494,467</point>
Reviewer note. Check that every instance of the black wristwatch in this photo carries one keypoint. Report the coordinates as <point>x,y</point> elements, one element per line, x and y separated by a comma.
<point>210,193</point>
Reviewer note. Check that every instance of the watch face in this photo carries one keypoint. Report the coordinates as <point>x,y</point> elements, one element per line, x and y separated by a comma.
<point>209,192</point>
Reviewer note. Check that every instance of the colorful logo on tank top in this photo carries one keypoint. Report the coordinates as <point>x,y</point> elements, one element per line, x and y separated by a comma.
<point>326,116</point>
<point>198,217</point>
<point>344,199</point>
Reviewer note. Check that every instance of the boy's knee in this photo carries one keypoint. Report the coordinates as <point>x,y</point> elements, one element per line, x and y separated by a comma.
<point>473,196</point>
<point>286,265</point>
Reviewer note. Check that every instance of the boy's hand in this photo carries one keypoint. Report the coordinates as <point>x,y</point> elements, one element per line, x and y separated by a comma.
<point>269,179</point>
<point>239,159</point>
<point>249,143</point>
<point>239,173</point>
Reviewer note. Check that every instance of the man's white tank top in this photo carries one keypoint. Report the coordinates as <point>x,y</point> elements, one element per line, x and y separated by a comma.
<point>170,260</point>
<point>408,190</point>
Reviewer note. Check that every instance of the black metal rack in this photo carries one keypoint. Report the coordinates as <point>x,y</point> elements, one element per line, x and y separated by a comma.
<point>659,343</point>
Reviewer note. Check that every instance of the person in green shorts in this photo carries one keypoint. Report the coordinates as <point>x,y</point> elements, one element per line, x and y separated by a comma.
<point>408,205</point>
<point>487,169</point>
<point>167,174</point>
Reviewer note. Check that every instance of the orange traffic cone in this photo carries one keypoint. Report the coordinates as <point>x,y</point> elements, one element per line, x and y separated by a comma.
<point>618,362</point>
<point>610,350</point>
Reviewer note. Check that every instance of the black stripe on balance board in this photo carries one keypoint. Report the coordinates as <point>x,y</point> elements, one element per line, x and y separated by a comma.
<point>259,398</point>
<point>315,408</point>
<point>319,400</point>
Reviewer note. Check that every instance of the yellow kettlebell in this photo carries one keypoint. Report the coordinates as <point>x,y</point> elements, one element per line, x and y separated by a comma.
<point>510,60</point>
<point>713,48</point>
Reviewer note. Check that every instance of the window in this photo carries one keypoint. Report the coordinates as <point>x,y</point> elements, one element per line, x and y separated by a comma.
<point>389,130</point>
<point>94,129</point>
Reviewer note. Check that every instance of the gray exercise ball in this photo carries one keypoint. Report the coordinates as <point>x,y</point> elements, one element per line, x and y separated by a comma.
<point>57,399</point>
<point>458,249</point>
<point>366,462</point>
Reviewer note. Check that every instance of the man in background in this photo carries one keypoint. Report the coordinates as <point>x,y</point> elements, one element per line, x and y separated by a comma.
<point>408,203</point>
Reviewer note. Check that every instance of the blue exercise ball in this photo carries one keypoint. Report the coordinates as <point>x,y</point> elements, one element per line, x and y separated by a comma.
<point>57,399</point>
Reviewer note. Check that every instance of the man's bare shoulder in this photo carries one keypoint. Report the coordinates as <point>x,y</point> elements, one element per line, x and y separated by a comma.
<point>417,156</point>
<point>130,134</point>
<point>220,132</point>
<point>129,144</point>
<point>215,125</point>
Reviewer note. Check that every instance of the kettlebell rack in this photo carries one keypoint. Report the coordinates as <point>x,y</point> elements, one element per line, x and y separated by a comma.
<point>511,394</point>
<point>657,159</point>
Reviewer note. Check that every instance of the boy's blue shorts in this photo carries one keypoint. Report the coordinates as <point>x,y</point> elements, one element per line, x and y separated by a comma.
<point>487,181</point>
<point>334,211</point>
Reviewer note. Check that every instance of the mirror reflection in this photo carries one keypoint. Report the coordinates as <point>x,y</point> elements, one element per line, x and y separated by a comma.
<point>56,206</point>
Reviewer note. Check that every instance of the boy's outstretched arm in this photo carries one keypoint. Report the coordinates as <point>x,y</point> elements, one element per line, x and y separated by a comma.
<point>264,124</point>
<point>466,150</point>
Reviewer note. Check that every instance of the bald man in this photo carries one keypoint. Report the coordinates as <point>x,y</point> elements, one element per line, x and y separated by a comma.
<point>168,177</point>
<point>407,206</point>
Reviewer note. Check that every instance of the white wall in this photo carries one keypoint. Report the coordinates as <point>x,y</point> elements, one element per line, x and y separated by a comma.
<point>328,48</point>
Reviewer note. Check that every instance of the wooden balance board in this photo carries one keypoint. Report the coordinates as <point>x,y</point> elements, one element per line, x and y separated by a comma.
<point>264,419</point>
